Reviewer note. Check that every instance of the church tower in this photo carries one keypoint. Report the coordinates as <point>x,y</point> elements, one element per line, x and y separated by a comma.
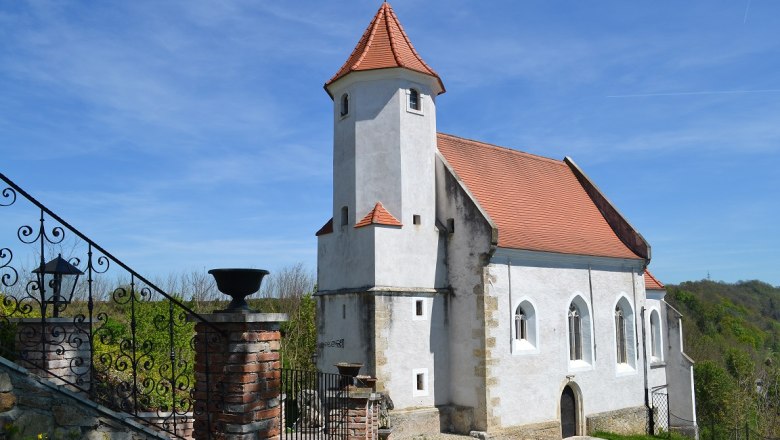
<point>380,258</point>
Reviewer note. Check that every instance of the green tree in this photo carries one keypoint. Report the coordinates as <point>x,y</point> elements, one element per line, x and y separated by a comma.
<point>714,390</point>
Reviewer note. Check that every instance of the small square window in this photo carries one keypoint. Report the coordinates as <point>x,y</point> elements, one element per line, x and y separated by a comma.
<point>451,225</point>
<point>420,382</point>
<point>416,219</point>
<point>418,308</point>
<point>344,216</point>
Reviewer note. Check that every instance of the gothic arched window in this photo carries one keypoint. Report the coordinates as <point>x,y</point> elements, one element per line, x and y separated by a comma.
<point>521,325</point>
<point>626,353</point>
<point>620,336</point>
<point>656,352</point>
<point>524,332</point>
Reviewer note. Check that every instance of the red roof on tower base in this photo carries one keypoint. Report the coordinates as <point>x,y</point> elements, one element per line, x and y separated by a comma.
<point>378,216</point>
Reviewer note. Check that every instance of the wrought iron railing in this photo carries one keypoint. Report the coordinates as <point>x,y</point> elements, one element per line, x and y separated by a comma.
<point>314,405</point>
<point>119,339</point>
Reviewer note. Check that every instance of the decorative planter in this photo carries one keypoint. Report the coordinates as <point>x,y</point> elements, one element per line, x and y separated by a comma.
<point>238,284</point>
<point>349,371</point>
<point>384,433</point>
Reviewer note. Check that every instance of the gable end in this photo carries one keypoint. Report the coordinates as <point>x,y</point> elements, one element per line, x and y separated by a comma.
<point>623,229</point>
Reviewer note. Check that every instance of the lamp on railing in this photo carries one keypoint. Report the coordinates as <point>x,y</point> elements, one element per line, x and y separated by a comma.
<point>57,274</point>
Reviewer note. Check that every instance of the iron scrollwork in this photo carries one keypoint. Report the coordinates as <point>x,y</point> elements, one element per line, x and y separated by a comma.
<point>127,344</point>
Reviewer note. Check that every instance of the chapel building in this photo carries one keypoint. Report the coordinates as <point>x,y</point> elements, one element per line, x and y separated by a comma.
<point>486,289</point>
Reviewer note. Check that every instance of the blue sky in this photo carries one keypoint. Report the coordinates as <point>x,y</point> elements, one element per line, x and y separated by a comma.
<point>195,134</point>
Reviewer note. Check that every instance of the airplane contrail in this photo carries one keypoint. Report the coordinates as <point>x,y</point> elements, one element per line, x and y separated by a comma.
<point>747,8</point>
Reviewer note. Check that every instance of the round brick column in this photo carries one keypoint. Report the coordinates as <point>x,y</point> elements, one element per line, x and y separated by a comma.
<point>238,376</point>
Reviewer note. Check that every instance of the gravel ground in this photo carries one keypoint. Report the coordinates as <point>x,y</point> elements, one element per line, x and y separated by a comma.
<point>466,437</point>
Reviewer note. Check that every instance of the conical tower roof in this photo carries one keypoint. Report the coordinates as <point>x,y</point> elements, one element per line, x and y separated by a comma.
<point>385,45</point>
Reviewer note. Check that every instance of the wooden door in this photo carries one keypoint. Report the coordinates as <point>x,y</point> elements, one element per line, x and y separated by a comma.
<point>568,413</point>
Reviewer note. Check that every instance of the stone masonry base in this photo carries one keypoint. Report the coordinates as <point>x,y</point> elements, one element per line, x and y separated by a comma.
<point>623,421</point>
<point>412,424</point>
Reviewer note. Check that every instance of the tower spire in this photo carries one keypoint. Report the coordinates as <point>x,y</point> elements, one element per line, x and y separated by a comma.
<point>385,45</point>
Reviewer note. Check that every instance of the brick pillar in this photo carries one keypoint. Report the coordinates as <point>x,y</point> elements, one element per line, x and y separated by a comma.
<point>59,350</point>
<point>238,376</point>
<point>363,414</point>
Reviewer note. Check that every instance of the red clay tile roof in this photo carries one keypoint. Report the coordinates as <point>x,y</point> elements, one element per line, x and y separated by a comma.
<point>384,45</point>
<point>652,283</point>
<point>327,228</point>
<point>378,216</point>
<point>536,203</point>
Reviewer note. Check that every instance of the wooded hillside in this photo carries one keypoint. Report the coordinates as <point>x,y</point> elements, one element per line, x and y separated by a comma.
<point>732,331</point>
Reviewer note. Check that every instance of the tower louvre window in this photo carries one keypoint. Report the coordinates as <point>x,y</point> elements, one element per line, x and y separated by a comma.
<point>414,99</point>
<point>344,111</point>
<point>344,215</point>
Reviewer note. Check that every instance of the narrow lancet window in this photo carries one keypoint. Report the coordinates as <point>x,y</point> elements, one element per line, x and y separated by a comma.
<point>344,105</point>
<point>521,325</point>
<point>620,335</point>
<point>575,334</point>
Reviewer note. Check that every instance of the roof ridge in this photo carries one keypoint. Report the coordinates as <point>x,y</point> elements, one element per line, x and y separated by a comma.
<point>373,25</point>
<point>393,45</point>
<point>409,42</point>
<point>508,149</point>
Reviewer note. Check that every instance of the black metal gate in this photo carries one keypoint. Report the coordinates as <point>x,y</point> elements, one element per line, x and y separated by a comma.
<point>314,405</point>
<point>660,413</point>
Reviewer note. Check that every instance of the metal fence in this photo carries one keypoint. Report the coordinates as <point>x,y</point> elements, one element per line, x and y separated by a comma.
<point>660,414</point>
<point>74,313</point>
<point>314,405</point>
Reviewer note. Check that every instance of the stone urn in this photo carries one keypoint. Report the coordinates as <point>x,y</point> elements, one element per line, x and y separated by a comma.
<point>238,284</point>
<point>348,371</point>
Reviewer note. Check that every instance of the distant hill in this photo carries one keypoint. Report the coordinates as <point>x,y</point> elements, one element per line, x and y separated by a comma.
<point>721,316</point>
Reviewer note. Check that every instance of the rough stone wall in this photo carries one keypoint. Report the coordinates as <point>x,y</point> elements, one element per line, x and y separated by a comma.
<point>624,421</point>
<point>491,358</point>
<point>31,406</point>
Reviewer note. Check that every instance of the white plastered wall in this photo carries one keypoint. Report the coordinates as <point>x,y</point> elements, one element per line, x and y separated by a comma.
<point>550,281</point>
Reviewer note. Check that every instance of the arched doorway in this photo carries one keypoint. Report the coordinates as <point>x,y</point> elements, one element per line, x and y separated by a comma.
<point>568,412</point>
